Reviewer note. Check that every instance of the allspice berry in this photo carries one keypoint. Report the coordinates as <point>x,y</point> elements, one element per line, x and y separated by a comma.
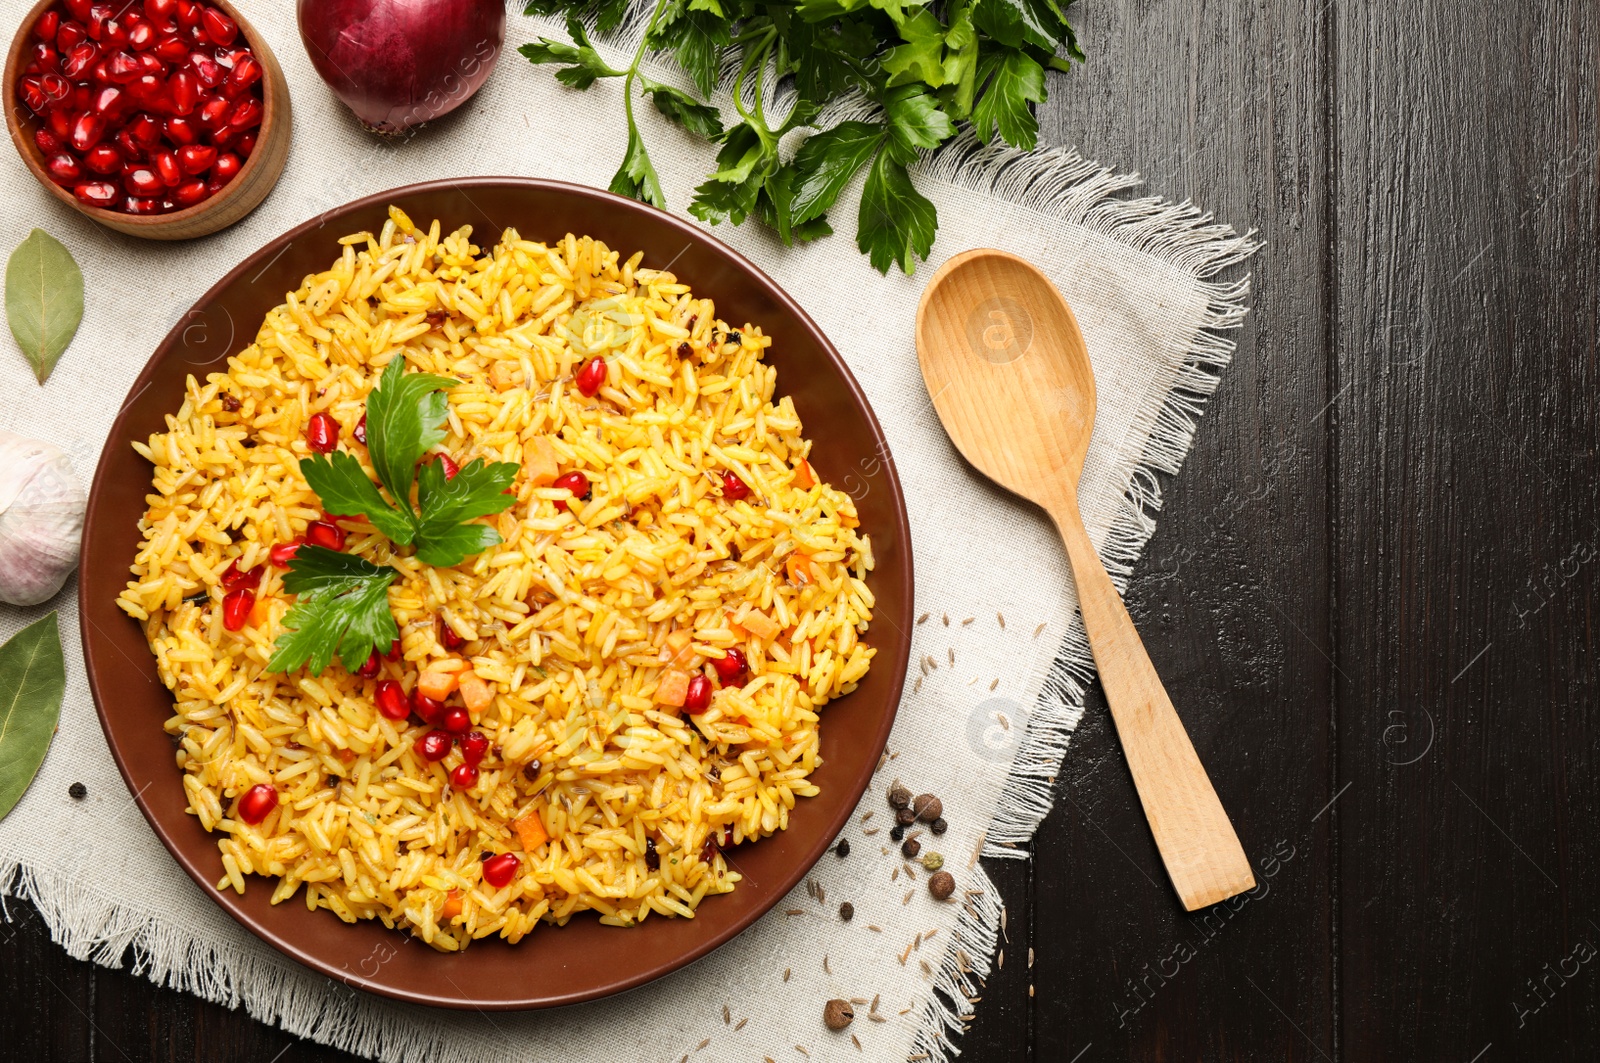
<point>837,1014</point>
<point>905,817</point>
<point>927,807</point>
<point>911,848</point>
<point>942,885</point>
<point>899,796</point>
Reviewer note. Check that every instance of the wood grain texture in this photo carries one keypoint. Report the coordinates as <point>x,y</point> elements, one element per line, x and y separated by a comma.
<point>1371,590</point>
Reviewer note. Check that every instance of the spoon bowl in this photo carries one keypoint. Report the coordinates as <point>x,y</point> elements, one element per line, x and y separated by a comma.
<point>1009,374</point>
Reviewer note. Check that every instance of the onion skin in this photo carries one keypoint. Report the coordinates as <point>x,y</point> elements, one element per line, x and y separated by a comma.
<point>399,63</point>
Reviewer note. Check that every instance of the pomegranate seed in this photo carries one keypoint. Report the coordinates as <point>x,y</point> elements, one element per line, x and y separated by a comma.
<point>99,16</point>
<point>87,129</point>
<point>323,534</point>
<point>218,27</point>
<point>188,14</point>
<point>206,69</point>
<point>371,666</point>
<point>130,148</point>
<point>448,636</point>
<point>166,167</point>
<point>69,36</point>
<point>591,376</point>
<point>733,488</point>
<point>80,58</point>
<point>78,9</point>
<point>576,482</point>
<point>698,696</point>
<point>184,90</point>
<point>142,181</point>
<point>108,100</point>
<point>732,666</point>
<point>393,653</point>
<point>257,803</point>
<point>361,430</point>
<point>435,745</point>
<point>283,553</point>
<point>145,130</point>
<point>191,192</point>
<point>474,746</point>
<point>236,606</point>
<point>181,130</point>
<point>138,205</point>
<point>161,10</point>
<point>246,72</point>
<point>64,168</point>
<point>45,28</point>
<point>47,142</point>
<point>60,124</point>
<point>245,145</point>
<point>148,90</point>
<point>42,58</point>
<point>463,776</point>
<point>115,34</point>
<point>233,578</point>
<point>141,36</point>
<point>498,871</point>
<point>96,193</point>
<point>32,92</point>
<point>322,433</point>
<point>392,700</point>
<point>247,113</point>
<point>456,720</point>
<point>171,49</point>
<point>58,91</point>
<point>427,710</point>
<point>123,68</point>
<point>213,112</point>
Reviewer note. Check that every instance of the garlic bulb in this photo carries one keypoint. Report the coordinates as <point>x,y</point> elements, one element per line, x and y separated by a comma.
<point>41,519</point>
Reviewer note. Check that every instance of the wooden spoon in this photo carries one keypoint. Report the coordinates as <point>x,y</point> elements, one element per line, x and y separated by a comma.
<point>1008,372</point>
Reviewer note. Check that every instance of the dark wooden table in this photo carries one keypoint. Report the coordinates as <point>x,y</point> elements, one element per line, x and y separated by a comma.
<point>1370,594</point>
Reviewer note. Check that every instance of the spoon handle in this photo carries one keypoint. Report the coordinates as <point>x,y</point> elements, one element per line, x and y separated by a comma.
<point>1198,845</point>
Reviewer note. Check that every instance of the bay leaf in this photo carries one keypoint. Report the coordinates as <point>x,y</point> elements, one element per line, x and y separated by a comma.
<point>44,300</point>
<point>33,676</point>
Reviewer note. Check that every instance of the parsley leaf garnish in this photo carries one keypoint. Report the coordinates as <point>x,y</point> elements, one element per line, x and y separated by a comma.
<point>343,604</point>
<point>930,67</point>
<point>343,608</point>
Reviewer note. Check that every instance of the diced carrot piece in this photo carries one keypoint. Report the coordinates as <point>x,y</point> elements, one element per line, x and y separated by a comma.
<point>452,906</point>
<point>477,694</point>
<point>437,685</point>
<point>676,648</point>
<point>261,612</point>
<point>800,569</point>
<point>760,625</point>
<point>530,829</point>
<point>803,476</point>
<point>539,462</point>
<point>500,374</point>
<point>673,688</point>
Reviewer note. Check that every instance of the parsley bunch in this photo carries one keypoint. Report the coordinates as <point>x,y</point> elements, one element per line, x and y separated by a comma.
<point>342,601</point>
<point>929,67</point>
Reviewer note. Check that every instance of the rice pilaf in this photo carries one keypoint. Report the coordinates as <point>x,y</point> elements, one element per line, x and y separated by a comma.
<point>582,622</point>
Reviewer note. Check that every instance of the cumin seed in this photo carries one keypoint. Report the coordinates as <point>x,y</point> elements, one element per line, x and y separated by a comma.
<point>1002,618</point>
<point>727,1016</point>
<point>740,1024</point>
<point>825,967</point>
<point>1038,631</point>
<point>875,1017</point>
<point>786,972</point>
<point>856,1041</point>
<point>701,1046</point>
<point>922,619</point>
<point>968,620</point>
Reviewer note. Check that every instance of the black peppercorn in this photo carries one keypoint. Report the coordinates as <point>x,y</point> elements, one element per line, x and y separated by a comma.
<point>911,848</point>
<point>939,826</point>
<point>847,911</point>
<point>844,847</point>
<point>899,796</point>
<point>905,817</point>
<point>652,859</point>
<point>78,791</point>
<point>897,833</point>
<point>530,771</point>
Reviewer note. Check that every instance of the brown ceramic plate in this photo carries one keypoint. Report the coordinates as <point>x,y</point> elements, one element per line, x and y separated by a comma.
<point>555,965</point>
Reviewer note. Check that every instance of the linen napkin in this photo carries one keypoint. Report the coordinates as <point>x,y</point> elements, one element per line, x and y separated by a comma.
<point>1000,663</point>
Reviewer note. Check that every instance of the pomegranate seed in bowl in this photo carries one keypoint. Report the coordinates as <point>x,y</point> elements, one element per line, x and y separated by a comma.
<point>257,803</point>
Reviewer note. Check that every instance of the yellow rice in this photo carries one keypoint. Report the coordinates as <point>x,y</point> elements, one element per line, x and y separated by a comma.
<point>567,619</point>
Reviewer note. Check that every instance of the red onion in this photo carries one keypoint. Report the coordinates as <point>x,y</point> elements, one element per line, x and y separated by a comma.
<point>399,63</point>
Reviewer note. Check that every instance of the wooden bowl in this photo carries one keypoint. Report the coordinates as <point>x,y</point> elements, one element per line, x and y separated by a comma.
<point>238,198</point>
<point>584,959</point>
